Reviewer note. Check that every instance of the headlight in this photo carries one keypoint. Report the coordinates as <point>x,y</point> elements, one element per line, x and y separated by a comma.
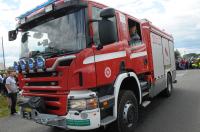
<point>16,66</point>
<point>40,62</point>
<point>22,64</point>
<point>31,63</point>
<point>83,104</point>
<point>77,104</point>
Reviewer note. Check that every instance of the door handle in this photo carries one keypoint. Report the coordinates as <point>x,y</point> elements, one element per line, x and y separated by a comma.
<point>145,61</point>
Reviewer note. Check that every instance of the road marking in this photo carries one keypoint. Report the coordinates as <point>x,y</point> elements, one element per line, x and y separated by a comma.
<point>181,74</point>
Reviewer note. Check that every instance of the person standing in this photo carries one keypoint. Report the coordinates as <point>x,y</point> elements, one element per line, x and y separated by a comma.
<point>5,91</point>
<point>12,90</point>
<point>1,84</point>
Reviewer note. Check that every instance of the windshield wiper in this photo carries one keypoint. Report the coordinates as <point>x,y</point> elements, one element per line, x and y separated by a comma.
<point>45,53</point>
<point>53,52</point>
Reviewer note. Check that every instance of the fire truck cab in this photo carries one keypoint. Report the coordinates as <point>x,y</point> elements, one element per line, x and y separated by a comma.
<point>84,65</point>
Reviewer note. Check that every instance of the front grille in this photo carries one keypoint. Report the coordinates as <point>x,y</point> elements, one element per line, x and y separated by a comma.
<point>41,74</point>
<point>49,83</point>
<point>55,104</point>
<point>66,63</point>
<point>52,107</point>
<point>43,91</point>
<point>51,99</point>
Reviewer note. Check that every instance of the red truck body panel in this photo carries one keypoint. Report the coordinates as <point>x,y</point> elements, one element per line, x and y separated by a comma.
<point>94,67</point>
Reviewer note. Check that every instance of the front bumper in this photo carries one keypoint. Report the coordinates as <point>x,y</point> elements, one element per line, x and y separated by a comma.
<point>76,120</point>
<point>85,120</point>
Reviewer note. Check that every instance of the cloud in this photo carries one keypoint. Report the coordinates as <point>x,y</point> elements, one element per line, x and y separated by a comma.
<point>9,10</point>
<point>178,17</point>
<point>188,50</point>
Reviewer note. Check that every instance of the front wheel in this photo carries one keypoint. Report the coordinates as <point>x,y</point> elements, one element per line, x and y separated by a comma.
<point>127,112</point>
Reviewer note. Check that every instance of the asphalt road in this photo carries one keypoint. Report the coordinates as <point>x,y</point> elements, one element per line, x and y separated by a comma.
<point>179,113</point>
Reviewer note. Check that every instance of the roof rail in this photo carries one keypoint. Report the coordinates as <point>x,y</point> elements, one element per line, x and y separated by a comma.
<point>146,20</point>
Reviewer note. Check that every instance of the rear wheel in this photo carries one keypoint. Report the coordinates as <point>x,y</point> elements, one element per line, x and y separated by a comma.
<point>168,91</point>
<point>127,112</point>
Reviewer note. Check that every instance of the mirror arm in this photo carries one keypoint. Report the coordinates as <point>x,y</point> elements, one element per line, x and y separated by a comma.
<point>99,47</point>
<point>93,20</point>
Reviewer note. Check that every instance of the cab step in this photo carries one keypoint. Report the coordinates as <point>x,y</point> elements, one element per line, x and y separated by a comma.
<point>107,120</point>
<point>106,98</point>
<point>146,103</point>
<point>144,85</point>
<point>145,93</point>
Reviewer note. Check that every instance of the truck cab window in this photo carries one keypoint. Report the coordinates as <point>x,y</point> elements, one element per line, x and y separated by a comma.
<point>96,15</point>
<point>134,32</point>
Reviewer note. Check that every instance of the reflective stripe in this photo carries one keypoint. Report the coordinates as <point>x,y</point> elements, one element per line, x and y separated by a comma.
<point>139,54</point>
<point>104,57</point>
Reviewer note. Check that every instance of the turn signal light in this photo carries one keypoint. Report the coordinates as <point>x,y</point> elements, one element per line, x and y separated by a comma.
<point>92,103</point>
<point>105,104</point>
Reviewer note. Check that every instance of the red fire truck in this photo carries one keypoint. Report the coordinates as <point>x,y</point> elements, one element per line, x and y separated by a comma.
<point>84,65</point>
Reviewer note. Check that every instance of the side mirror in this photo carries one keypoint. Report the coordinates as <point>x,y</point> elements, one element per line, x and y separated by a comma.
<point>107,28</point>
<point>107,32</point>
<point>107,13</point>
<point>12,35</point>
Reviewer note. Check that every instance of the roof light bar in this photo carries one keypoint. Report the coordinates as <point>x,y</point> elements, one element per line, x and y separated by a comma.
<point>37,8</point>
<point>67,0</point>
<point>23,20</point>
<point>49,8</point>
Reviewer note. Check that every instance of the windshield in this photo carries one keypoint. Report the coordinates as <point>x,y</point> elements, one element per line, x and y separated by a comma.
<point>66,34</point>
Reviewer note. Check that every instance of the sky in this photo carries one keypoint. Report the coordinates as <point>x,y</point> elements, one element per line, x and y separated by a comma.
<point>178,17</point>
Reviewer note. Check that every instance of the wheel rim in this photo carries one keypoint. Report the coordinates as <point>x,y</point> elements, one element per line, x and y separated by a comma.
<point>128,114</point>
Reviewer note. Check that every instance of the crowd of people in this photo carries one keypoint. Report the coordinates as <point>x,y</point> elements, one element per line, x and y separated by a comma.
<point>182,64</point>
<point>9,89</point>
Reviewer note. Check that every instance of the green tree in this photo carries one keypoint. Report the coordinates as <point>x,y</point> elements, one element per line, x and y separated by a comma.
<point>177,54</point>
<point>188,56</point>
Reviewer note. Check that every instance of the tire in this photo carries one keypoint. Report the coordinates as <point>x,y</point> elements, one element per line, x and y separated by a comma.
<point>168,91</point>
<point>127,117</point>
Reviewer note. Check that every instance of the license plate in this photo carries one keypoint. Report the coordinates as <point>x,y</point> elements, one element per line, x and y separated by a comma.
<point>71,122</point>
<point>27,110</point>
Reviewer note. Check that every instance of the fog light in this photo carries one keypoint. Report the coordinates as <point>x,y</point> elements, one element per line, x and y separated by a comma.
<point>16,66</point>
<point>23,64</point>
<point>40,62</point>
<point>31,63</point>
<point>84,115</point>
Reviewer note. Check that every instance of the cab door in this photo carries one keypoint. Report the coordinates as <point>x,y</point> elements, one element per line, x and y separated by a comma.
<point>107,59</point>
<point>137,48</point>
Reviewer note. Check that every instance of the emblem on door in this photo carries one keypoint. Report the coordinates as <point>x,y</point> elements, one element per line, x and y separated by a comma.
<point>107,72</point>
